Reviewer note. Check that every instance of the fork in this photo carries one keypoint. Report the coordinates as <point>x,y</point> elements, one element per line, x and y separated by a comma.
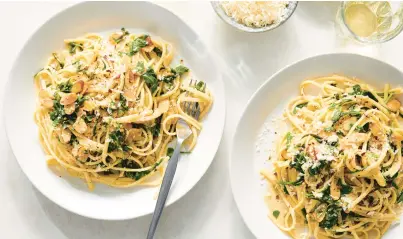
<point>183,131</point>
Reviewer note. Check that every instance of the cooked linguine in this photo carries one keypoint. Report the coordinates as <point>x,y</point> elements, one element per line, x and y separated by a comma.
<point>338,172</point>
<point>107,108</point>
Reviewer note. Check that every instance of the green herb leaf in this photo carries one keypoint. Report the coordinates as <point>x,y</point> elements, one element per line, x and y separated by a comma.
<point>169,79</point>
<point>140,67</point>
<point>363,129</point>
<point>58,60</point>
<point>200,86</point>
<point>155,129</point>
<point>65,86</point>
<point>298,182</point>
<point>317,137</point>
<point>74,46</point>
<point>297,162</point>
<point>121,37</point>
<point>299,106</point>
<point>288,138</point>
<point>151,79</point>
<point>336,116</point>
<point>170,152</point>
<point>181,69</point>
<point>331,218</point>
<point>117,141</point>
<point>315,170</point>
<point>157,51</point>
<point>400,198</point>
<point>345,188</point>
<point>137,44</point>
<point>276,213</point>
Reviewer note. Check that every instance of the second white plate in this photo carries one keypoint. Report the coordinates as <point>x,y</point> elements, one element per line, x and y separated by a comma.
<point>257,130</point>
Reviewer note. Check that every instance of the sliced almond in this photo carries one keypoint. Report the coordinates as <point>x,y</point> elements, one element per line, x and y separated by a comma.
<point>77,86</point>
<point>397,137</point>
<point>80,126</point>
<point>47,103</point>
<point>393,105</point>
<point>68,99</point>
<point>65,135</point>
<point>163,106</point>
<point>69,109</point>
<point>85,88</point>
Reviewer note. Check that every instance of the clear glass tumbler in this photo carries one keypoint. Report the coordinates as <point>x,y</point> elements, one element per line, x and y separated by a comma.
<point>370,22</point>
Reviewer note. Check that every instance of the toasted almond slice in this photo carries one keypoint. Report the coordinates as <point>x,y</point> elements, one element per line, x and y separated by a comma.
<point>69,109</point>
<point>163,106</point>
<point>66,135</point>
<point>68,99</point>
<point>80,126</point>
<point>393,105</point>
<point>47,103</point>
<point>77,86</point>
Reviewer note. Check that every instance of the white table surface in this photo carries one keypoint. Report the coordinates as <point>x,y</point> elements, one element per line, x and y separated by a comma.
<point>246,60</point>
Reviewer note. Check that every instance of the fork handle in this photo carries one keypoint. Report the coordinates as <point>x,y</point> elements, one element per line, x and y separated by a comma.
<point>165,186</point>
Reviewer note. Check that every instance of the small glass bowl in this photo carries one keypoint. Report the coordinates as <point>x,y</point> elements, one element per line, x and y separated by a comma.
<point>292,5</point>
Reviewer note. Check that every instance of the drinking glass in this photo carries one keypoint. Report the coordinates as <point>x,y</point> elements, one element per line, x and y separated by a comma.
<point>372,21</point>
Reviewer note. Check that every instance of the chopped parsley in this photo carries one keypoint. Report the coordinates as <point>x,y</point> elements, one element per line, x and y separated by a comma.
<point>58,60</point>
<point>315,169</point>
<point>331,218</point>
<point>73,47</point>
<point>363,129</point>
<point>358,91</point>
<point>65,86</point>
<point>137,44</point>
<point>298,182</point>
<point>288,138</point>
<point>121,37</point>
<point>181,69</point>
<point>298,161</point>
<point>157,51</point>
<point>117,141</point>
<point>344,188</point>
<point>169,78</point>
<point>58,116</point>
<point>140,67</point>
<point>400,198</point>
<point>200,86</point>
<point>170,152</point>
<point>299,106</point>
<point>136,175</point>
<point>155,129</point>
<point>151,79</point>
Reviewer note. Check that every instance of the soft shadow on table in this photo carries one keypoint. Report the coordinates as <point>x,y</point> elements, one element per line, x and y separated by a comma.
<point>319,13</point>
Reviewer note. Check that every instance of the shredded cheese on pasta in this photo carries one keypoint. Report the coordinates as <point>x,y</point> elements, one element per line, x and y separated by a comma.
<point>339,169</point>
<point>107,108</point>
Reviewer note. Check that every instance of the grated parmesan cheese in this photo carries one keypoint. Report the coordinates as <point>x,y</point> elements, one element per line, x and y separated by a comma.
<point>255,13</point>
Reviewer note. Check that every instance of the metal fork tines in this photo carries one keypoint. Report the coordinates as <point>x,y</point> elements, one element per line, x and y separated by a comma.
<point>183,131</point>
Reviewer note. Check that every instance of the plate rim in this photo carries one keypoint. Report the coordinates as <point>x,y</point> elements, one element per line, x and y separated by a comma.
<point>8,84</point>
<point>251,99</point>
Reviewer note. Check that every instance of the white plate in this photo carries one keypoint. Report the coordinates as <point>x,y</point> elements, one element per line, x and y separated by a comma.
<point>19,106</point>
<point>256,131</point>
